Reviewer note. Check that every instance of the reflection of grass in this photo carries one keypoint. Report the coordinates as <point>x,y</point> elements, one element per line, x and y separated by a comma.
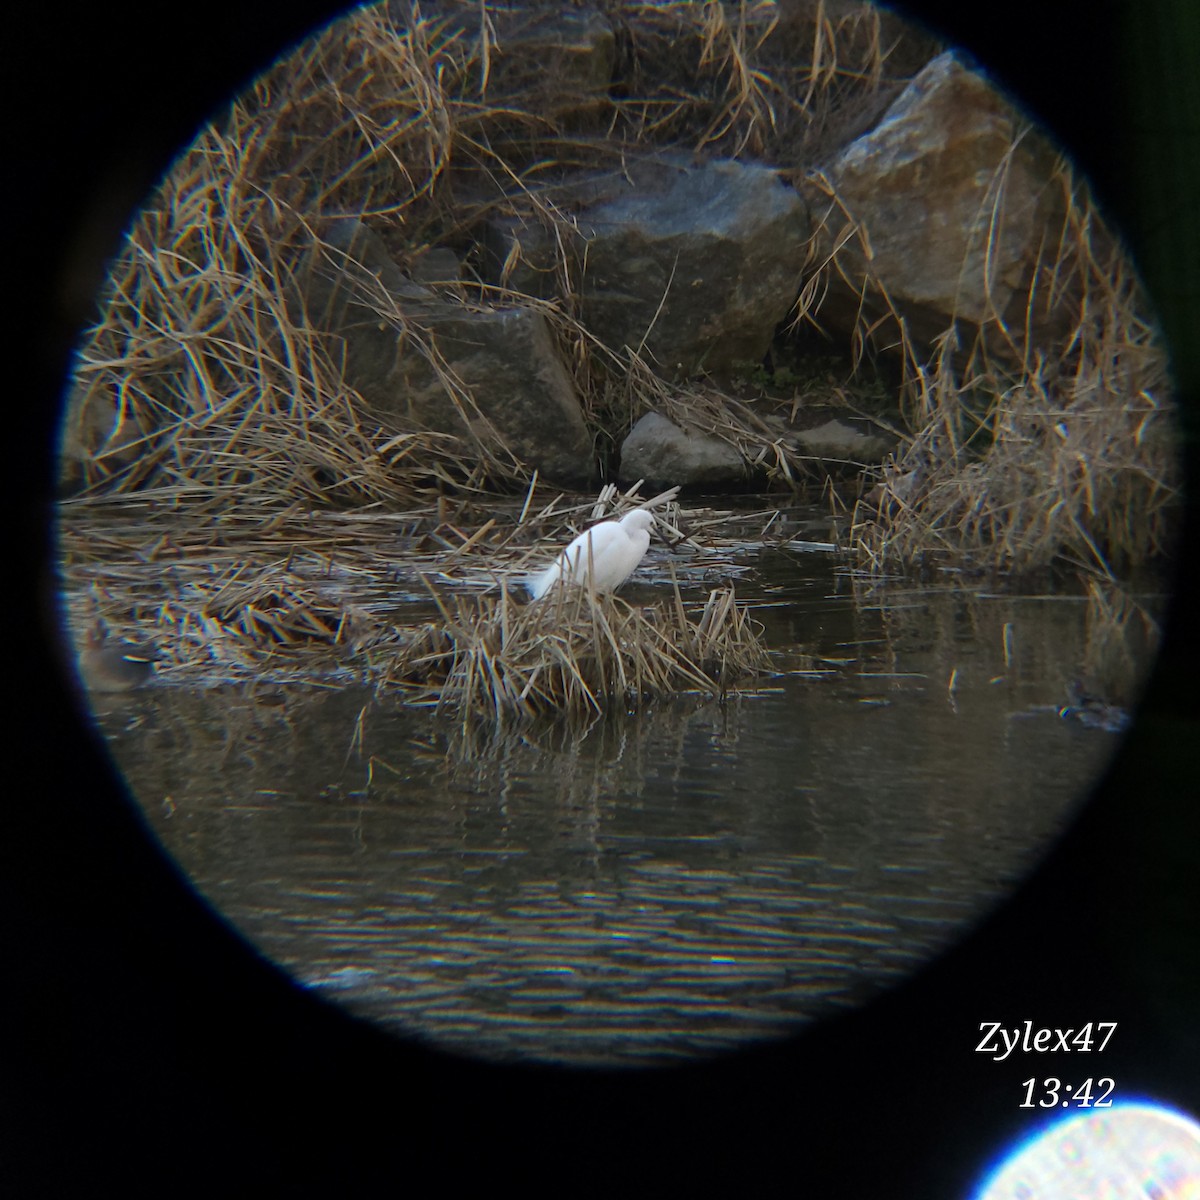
<point>1121,638</point>
<point>1082,635</point>
<point>574,651</point>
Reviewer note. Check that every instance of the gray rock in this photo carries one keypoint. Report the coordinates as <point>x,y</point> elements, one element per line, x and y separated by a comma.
<point>100,436</point>
<point>555,61</point>
<point>954,215</point>
<point>838,441</point>
<point>430,362</point>
<point>516,388</point>
<point>691,264</point>
<point>436,265</point>
<point>660,452</point>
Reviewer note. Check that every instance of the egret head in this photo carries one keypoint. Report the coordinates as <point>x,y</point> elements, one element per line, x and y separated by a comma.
<point>640,518</point>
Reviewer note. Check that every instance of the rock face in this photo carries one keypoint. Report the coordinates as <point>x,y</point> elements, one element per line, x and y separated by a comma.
<point>663,452</point>
<point>100,436</point>
<point>516,385</point>
<point>955,203</point>
<point>492,375</point>
<point>690,264</point>
<point>658,451</point>
<point>837,440</point>
<point>554,60</point>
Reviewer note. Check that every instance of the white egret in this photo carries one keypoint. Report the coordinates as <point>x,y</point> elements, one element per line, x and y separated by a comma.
<point>610,552</point>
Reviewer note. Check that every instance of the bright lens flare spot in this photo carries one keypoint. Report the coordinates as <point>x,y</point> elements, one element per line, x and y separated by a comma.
<point>1128,1152</point>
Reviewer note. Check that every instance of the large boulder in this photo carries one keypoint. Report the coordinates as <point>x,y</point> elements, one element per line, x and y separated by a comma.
<point>691,264</point>
<point>839,441</point>
<point>668,450</point>
<point>954,195</point>
<point>425,359</point>
<point>508,380</point>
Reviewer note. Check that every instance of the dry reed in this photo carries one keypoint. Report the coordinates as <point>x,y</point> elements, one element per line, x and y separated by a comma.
<point>1023,450</point>
<point>199,385</point>
<point>199,376</point>
<point>574,652</point>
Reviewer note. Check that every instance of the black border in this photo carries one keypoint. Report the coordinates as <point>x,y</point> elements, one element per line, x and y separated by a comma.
<point>148,1050</point>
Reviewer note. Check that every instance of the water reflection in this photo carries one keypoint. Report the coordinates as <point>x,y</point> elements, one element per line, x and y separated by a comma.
<point>652,886</point>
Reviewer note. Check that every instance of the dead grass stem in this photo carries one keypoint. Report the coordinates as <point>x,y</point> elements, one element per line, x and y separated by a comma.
<point>576,652</point>
<point>1048,439</point>
<point>200,385</point>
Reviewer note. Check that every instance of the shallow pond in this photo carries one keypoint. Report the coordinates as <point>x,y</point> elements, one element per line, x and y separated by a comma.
<point>651,885</point>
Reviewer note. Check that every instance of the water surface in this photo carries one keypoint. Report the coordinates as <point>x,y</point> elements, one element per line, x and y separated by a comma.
<point>656,885</point>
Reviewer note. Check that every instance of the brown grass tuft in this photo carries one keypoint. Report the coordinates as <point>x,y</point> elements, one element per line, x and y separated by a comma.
<point>573,652</point>
<point>417,123</point>
<point>1021,450</point>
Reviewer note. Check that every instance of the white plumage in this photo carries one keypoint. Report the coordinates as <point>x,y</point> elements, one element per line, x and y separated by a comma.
<point>616,548</point>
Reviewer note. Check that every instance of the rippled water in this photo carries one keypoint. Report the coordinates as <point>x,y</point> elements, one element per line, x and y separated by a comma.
<point>656,885</point>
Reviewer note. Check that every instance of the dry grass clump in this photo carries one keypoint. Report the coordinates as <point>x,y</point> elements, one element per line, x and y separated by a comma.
<point>573,652</point>
<point>775,81</point>
<point>254,592</point>
<point>1022,450</point>
<point>242,625</point>
<point>200,375</point>
<point>217,382</point>
<point>273,610</point>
